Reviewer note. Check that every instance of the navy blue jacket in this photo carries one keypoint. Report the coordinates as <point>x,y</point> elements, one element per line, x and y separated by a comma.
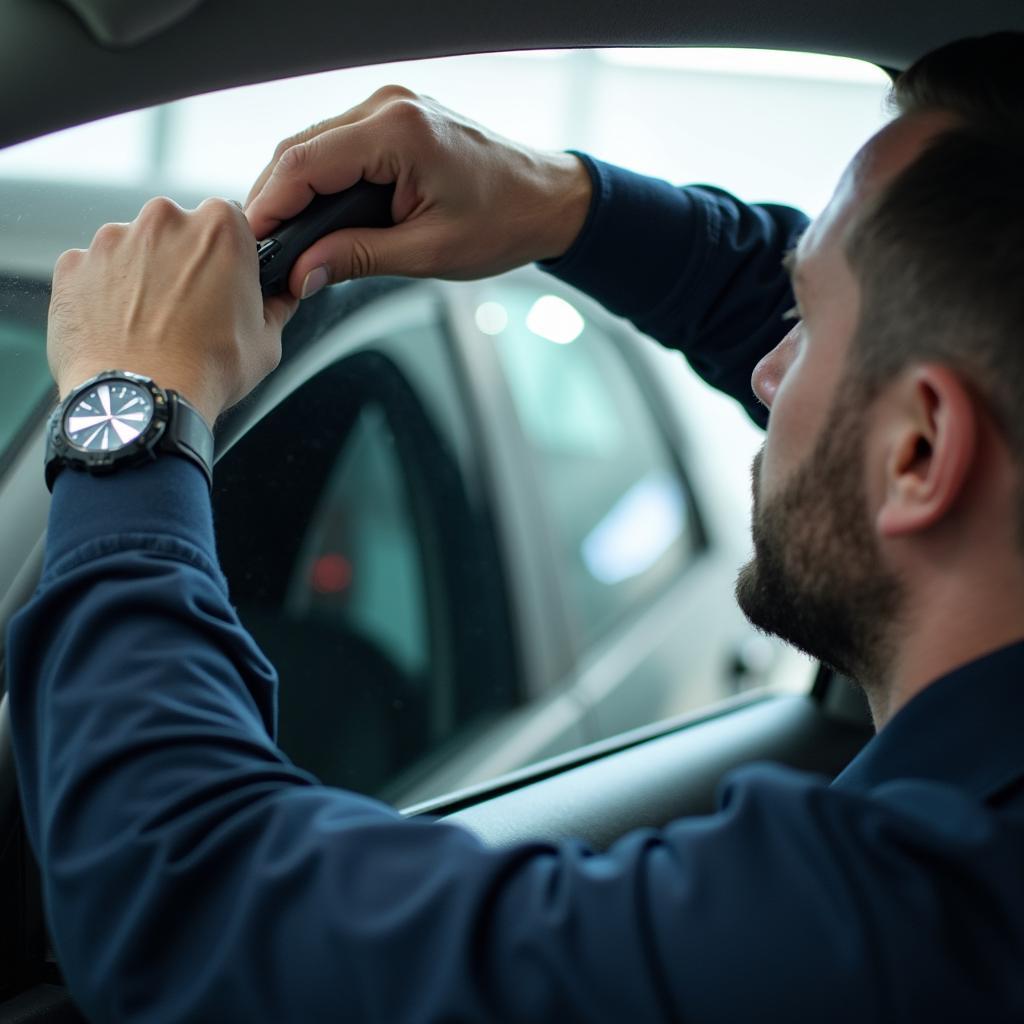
<point>192,873</point>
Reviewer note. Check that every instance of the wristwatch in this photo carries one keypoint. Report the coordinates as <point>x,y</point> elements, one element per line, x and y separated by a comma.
<point>119,419</point>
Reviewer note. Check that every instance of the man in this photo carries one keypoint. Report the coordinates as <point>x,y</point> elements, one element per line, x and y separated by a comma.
<point>191,873</point>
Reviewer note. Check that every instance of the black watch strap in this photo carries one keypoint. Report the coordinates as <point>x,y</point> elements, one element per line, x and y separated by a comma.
<point>187,434</point>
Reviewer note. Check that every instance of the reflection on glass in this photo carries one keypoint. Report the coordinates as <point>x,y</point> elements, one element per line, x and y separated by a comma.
<point>555,319</point>
<point>638,529</point>
<point>491,318</point>
<point>564,400</point>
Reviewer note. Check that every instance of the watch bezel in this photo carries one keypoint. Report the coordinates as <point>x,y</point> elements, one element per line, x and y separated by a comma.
<point>62,451</point>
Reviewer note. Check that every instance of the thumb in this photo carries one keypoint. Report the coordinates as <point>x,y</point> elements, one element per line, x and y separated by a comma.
<point>407,249</point>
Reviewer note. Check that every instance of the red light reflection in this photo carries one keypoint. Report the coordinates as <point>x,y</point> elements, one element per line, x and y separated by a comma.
<point>331,574</point>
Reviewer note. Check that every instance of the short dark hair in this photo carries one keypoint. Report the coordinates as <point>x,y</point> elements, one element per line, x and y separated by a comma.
<point>939,253</point>
<point>980,79</point>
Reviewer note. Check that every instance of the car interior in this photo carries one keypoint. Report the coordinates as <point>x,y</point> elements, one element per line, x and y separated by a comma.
<point>104,57</point>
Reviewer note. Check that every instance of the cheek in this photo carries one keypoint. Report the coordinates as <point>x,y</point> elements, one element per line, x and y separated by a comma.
<point>793,427</point>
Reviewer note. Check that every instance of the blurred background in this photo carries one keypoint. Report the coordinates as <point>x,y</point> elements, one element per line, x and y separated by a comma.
<point>620,481</point>
<point>768,126</point>
<point>685,115</point>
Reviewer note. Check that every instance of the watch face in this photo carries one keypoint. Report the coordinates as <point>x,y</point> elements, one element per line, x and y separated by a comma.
<point>108,416</point>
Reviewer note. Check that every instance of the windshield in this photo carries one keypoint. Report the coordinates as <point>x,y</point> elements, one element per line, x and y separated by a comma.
<point>769,127</point>
<point>685,115</point>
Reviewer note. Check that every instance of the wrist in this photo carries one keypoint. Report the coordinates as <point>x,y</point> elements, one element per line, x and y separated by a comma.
<point>569,191</point>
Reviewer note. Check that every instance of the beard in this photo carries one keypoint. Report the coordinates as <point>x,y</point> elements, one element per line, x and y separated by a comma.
<point>816,579</point>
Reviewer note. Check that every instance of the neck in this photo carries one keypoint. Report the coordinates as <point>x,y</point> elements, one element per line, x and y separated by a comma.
<point>947,635</point>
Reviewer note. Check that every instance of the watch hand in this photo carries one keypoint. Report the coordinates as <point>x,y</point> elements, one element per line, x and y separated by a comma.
<point>92,437</point>
<point>77,423</point>
<point>125,432</point>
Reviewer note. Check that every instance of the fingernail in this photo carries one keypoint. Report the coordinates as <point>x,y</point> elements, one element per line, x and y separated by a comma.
<point>315,280</point>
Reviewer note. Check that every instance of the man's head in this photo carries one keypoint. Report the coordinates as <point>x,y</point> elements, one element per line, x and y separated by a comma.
<point>893,399</point>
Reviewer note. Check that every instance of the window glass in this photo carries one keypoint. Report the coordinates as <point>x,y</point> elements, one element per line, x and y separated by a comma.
<point>768,126</point>
<point>740,119</point>
<point>24,377</point>
<point>605,473</point>
<point>369,577</point>
<point>25,382</point>
<point>341,531</point>
<point>360,564</point>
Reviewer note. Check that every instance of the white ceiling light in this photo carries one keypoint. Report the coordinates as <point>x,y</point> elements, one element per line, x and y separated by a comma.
<point>555,319</point>
<point>491,318</point>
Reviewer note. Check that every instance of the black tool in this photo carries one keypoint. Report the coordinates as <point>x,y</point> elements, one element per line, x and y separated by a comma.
<point>364,205</point>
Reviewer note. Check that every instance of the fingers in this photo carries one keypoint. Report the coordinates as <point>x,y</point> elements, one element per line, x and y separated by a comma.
<point>230,213</point>
<point>229,216</point>
<point>349,117</point>
<point>175,294</point>
<point>409,250</point>
<point>281,148</point>
<point>370,106</point>
<point>322,165</point>
<point>66,263</point>
<point>467,202</point>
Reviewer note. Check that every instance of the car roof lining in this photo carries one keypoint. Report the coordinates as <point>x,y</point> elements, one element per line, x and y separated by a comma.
<point>124,23</point>
<point>72,61</point>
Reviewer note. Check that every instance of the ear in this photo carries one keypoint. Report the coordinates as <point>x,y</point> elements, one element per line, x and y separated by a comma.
<point>930,448</point>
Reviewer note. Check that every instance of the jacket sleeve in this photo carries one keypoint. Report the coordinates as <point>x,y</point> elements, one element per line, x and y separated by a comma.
<point>693,267</point>
<point>191,873</point>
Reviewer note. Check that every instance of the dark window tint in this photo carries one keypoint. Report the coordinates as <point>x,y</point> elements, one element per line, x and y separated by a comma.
<point>361,566</point>
<point>25,382</point>
<point>359,555</point>
<point>614,495</point>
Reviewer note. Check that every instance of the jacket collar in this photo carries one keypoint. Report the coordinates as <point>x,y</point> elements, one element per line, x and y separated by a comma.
<point>965,729</point>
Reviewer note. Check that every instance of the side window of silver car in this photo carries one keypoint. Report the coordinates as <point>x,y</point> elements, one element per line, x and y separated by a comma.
<point>361,561</point>
<point>614,496</point>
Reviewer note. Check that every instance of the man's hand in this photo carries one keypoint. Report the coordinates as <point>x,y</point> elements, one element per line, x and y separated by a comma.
<point>468,203</point>
<point>175,296</point>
